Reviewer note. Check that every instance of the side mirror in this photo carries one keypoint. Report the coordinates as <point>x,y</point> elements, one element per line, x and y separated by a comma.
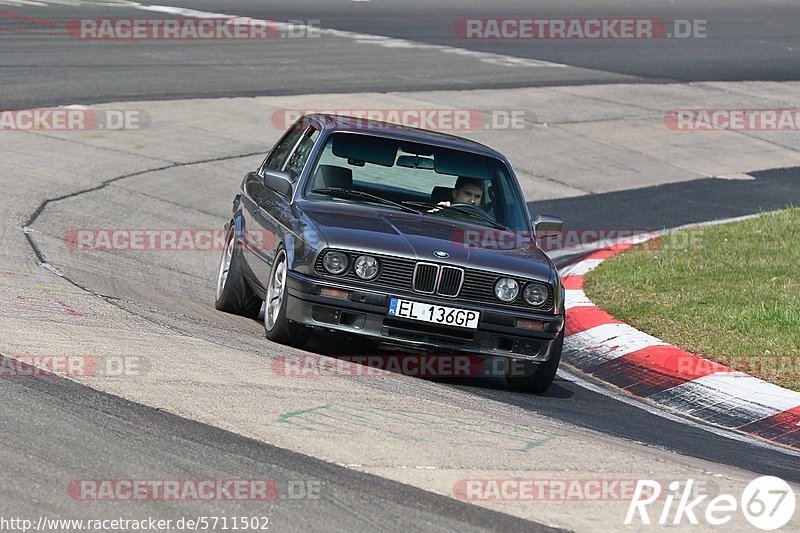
<point>547,226</point>
<point>280,182</point>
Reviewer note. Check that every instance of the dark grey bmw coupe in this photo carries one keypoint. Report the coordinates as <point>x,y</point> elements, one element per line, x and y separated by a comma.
<point>404,236</point>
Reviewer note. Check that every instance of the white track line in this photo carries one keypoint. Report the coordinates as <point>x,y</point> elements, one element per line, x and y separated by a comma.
<point>660,412</point>
<point>611,341</point>
<point>584,267</point>
<point>770,398</point>
<point>576,298</point>
<point>366,38</point>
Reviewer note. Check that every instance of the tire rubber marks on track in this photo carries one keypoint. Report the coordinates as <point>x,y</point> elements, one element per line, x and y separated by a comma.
<point>19,278</point>
<point>36,308</point>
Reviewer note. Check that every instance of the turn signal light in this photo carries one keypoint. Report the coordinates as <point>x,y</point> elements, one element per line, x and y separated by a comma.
<point>334,293</point>
<point>538,325</point>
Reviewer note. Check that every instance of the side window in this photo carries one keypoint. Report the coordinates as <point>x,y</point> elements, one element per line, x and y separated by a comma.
<point>298,159</point>
<point>278,155</point>
<point>506,208</point>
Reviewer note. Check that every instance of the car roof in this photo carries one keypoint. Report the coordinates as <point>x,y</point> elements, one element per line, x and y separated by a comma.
<point>332,123</point>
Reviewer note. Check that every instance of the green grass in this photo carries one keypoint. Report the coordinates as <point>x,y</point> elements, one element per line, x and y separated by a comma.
<point>730,293</point>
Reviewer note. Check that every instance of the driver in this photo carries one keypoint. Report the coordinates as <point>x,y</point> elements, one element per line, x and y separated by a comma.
<point>467,191</point>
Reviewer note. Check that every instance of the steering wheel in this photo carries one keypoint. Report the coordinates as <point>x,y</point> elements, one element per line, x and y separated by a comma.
<point>469,206</point>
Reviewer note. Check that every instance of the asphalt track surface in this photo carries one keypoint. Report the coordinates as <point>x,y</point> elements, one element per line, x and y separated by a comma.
<point>570,402</point>
<point>95,432</point>
<point>76,427</point>
<point>42,65</point>
<point>61,428</point>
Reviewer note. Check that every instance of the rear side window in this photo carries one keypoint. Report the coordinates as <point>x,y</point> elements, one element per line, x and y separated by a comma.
<point>284,147</point>
<point>299,157</point>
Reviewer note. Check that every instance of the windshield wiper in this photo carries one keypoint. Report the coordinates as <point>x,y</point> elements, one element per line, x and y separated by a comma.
<point>457,209</point>
<point>347,193</point>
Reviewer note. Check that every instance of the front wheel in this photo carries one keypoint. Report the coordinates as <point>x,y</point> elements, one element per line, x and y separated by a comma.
<point>234,295</point>
<point>539,376</point>
<point>277,327</point>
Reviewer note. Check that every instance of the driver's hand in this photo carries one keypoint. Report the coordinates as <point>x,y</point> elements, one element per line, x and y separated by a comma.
<point>439,206</point>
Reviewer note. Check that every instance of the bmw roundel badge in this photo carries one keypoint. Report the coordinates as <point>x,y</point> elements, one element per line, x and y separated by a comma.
<point>440,254</point>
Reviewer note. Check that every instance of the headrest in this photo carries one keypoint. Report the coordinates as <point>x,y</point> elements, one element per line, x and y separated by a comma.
<point>441,194</point>
<point>333,176</point>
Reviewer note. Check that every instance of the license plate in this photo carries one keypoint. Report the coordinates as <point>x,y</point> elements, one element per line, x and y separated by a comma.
<point>437,314</point>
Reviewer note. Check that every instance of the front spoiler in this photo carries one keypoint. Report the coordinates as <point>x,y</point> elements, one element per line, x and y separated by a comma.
<point>365,313</point>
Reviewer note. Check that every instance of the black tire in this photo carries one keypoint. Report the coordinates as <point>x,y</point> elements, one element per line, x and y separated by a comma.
<point>277,327</point>
<point>539,377</point>
<point>234,294</point>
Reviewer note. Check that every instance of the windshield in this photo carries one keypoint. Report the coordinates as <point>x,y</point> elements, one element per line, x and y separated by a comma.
<point>436,181</point>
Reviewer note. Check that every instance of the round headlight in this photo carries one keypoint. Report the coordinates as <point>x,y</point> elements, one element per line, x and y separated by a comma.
<point>335,262</point>
<point>366,267</point>
<point>506,289</point>
<point>535,294</point>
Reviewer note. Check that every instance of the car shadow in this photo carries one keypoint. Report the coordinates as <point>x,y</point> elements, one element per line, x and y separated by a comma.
<point>344,346</point>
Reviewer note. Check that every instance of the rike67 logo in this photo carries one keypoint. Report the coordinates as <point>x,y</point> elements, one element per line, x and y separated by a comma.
<point>767,503</point>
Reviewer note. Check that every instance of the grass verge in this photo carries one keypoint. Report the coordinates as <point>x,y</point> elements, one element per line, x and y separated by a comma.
<point>730,293</point>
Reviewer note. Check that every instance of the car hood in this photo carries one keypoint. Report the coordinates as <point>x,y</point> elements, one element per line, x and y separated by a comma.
<point>392,232</point>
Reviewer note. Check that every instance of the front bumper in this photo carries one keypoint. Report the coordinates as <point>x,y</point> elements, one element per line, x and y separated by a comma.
<point>365,312</point>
